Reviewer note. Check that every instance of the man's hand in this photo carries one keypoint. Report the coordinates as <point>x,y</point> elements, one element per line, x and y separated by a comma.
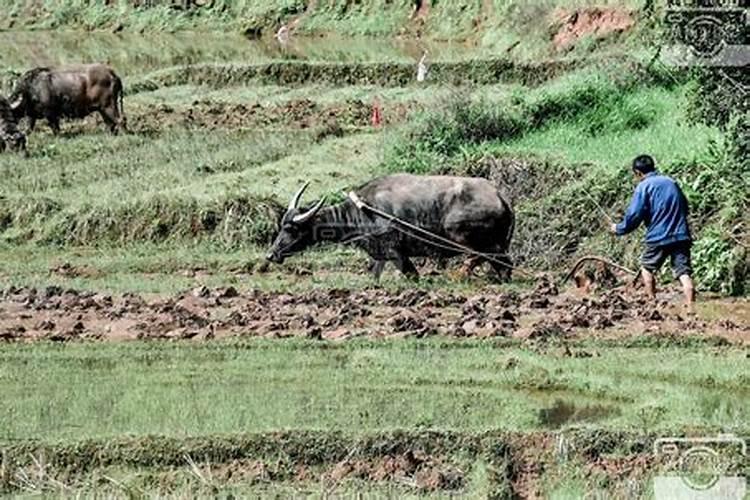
<point>613,228</point>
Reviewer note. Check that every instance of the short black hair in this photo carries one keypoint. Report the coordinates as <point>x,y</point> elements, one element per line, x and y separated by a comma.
<point>644,164</point>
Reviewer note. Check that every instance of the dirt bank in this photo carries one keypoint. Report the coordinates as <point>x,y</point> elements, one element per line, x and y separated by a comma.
<point>298,113</point>
<point>497,464</point>
<point>384,74</point>
<point>594,22</point>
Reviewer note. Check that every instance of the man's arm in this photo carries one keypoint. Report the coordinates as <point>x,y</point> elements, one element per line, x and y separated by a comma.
<point>635,213</point>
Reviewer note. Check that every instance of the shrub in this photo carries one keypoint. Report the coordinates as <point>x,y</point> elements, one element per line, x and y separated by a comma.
<point>426,144</point>
<point>716,95</point>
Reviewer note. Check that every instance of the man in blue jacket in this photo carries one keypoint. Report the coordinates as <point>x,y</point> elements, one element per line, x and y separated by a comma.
<point>659,203</point>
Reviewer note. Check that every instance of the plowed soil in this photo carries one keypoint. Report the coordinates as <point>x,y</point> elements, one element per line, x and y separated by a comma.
<point>207,114</point>
<point>300,113</point>
<point>56,314</point>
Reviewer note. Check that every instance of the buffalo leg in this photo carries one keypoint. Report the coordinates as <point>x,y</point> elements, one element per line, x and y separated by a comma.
<point>405,266</point>
<point>111,117</point>
<point>503,267</point>
<point>32,123</point>
<point>376,268</point>
<point>19,143</point>
<point>54,124</point>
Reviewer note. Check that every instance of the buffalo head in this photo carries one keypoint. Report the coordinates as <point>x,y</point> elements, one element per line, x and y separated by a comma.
<point>297,229</point>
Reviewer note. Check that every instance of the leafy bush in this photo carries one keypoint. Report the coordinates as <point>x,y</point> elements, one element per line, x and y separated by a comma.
<point>427,143</point>
<point>716,95</point>
<point>719,265</point>
<point>571,97</point>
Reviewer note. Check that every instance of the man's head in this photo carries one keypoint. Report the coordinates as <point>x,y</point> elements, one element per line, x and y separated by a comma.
<point>642,166</point>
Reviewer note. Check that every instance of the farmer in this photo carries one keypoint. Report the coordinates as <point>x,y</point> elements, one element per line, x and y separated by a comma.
<point>659,202</point>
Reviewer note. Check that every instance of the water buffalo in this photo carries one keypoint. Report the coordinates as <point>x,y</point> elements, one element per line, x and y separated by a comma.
<point>9,133</point>
<point>70,92</point>
<point>469,211</point>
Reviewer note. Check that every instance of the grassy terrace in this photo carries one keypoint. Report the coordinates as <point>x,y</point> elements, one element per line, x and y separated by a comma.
<point>286,417</point>
<point>243,387</point>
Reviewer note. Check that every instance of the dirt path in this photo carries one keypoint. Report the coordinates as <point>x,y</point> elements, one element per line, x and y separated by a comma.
<point>57,314</point>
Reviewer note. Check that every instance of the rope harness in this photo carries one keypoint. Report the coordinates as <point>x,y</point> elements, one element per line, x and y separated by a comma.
<point>432,238</point>
<point>448,244</point>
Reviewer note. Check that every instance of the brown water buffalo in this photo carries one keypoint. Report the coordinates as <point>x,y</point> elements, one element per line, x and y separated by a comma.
<point>465,210</point>
<point>69,92</point>
<point>9,133</point>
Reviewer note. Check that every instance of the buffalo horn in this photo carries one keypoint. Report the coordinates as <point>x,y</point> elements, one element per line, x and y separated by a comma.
<point>17,103</point>
<point>294,203</point>
<point>299,219</point>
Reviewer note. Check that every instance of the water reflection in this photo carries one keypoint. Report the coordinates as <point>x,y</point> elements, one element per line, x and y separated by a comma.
<point>565,412</point>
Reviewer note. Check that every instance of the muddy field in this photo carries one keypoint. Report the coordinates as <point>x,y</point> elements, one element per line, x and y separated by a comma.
<point>147,347</point>
<point>334,119</point>
<point>544,313</point>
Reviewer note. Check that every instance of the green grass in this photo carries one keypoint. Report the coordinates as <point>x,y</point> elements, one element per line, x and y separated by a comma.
<point>609,142</point>
<point>96,188</point>
<point>133,54</point>
<point>151,165</point>
<point>78,391</point>
<point>185,95</point>
<point>128,53</point>
<point>107,169</point>
<point>159,268</point>
<point>168,269</point>
<point>496,25</point>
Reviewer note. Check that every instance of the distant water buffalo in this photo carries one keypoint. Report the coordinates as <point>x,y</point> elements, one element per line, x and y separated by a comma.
<point>9,133</point>
<point>69,92</point>
<point>468,211</point>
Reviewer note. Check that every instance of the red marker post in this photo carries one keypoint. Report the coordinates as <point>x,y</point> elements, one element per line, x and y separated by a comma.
<point>376,118</point>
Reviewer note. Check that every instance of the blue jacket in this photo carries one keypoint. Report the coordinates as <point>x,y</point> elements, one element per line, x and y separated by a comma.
<point>659,203</point>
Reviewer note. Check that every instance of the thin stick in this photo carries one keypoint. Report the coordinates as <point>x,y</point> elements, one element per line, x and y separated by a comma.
<point>605,214</point>
<point>591,198</point>
<point>739,241</point>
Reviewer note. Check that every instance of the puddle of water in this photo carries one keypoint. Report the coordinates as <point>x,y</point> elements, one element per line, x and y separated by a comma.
<point>133,54</point>
<point>564,412</point>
